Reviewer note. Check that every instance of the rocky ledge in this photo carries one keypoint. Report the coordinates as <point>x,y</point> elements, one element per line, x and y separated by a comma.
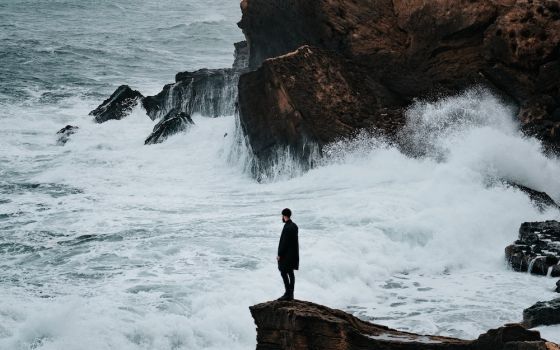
<point>325,69</point>
<point>537,250</point>
<point>542,313</point>
<point>299,325</point>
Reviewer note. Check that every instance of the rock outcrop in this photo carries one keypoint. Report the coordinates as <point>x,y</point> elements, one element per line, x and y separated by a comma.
<point>541,199</point>
<point>537,250</point>
<point>118,105</point>
<point>300,325</point>
<point>402,50</point>
<point>543,313</point>
<point>173,123</point>
<point>558,286</point>
<point>64,134</point>
<point>209,92</point>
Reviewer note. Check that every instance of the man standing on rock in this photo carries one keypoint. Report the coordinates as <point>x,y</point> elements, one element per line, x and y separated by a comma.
<point>288,254</point>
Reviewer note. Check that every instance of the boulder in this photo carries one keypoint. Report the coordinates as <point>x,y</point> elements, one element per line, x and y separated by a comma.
<point>404,49</point>
<point>543,313</point>
<point>173,123</point>
<point>558,286</point>
<point>64,134</point>
<point>118,105</point>
<point>537,250</point>
<point>301,325</point>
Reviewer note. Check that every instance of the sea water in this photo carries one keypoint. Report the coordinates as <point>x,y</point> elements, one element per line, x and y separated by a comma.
<point>106,243</point>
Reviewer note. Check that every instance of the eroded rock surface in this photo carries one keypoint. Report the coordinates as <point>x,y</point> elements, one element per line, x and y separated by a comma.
<point>299,325</point>
<point>118,105</point>
<point>401,49</point>
<point>537,250</point>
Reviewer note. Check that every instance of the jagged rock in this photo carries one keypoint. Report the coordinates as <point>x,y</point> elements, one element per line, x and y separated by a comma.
<point>537,250</point>
<point>173,123</point>
<point>64,134</point>
<point>335,111</point>
<point>301,325</point>
<point>543,313</point>
<point>558,286</point>
<point>241,55</point>
<point>118,105</point>
<point>412,48</point>
<point>210,92</point>
<point>541,199</point>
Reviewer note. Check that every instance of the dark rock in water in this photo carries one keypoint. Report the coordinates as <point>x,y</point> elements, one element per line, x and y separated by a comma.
<point>64,134</point>
<point>412,49</point>
<point>301,325</point>
<point>118,105</point>
<point>308,98</point>
<point>173,123</point>
<point>543,313</point>
<point>241,55</point>
<point>537,250</point>
<point>558,286</point>
<point>210,92</point>
<point>541,199</point>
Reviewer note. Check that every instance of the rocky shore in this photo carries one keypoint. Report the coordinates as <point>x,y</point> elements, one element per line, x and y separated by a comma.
<point>302,325</point>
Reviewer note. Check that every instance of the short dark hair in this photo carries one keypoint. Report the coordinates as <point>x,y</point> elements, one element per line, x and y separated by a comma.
<point>287,212</point>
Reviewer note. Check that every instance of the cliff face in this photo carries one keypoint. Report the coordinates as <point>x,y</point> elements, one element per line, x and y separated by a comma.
<point>300,325</point>
<point>401,50</point>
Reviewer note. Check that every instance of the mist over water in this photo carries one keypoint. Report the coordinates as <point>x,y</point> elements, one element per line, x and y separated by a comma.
<point>106,243</point>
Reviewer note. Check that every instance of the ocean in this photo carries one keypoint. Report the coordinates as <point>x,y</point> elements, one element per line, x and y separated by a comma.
<point>106,243</point>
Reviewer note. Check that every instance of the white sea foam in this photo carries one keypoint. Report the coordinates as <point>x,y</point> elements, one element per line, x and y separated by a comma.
<point>182,240</point>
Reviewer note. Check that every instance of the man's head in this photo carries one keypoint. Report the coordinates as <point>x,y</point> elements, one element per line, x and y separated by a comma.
<point>286,215</point>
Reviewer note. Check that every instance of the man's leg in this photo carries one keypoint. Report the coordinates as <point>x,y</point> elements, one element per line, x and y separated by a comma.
<point>284,275</point>
<point>292,284</point>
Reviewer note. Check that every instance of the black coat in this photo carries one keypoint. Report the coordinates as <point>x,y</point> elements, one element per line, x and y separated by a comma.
<point>288,247</point>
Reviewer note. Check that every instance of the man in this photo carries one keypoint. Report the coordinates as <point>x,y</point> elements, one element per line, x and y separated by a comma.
<point>288,254</point>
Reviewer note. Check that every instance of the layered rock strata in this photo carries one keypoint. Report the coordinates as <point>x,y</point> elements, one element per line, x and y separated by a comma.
<point>300,325</point>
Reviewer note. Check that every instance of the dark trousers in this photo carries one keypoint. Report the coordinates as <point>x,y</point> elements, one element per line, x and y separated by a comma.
<point>289,279</point>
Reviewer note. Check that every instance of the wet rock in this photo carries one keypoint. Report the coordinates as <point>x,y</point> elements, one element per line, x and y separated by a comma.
<point>64,134</point>
<point>210,92</point>
<point>558,286</point>
<point>537,250</point>
<point>412,49</point>
<point>541,199</point>
<point>173,123</point>
<point>118,105</point>
<point>543,313</point>
<point>279,109</point>
<point>299,325</point>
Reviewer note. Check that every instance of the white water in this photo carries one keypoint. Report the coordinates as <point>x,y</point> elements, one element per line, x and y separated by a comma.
<point>109,244</point>
<point>185,240</point>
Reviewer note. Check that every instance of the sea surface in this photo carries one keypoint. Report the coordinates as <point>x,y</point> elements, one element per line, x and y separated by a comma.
<point>109,244</point>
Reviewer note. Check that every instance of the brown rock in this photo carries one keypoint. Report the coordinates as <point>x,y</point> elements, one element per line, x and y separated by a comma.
<point>280,109</point>
<point>402,49</point>
<point>300,325</point>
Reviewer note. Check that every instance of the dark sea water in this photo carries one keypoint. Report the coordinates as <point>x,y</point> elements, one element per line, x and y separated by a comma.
<point>109,244</point>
